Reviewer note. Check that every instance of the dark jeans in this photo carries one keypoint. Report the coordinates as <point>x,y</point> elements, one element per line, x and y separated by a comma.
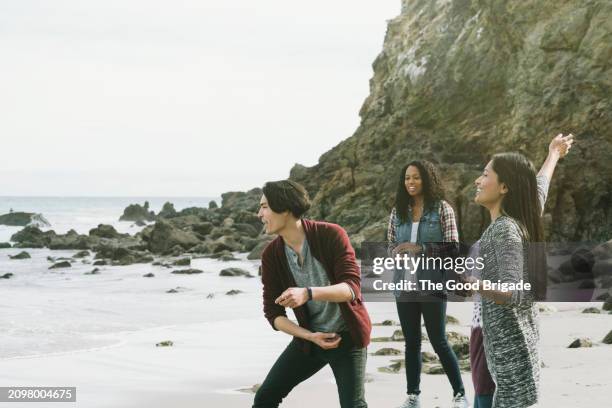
<point>434,314</point>
<point>294,366</point>
<point>483,401</point>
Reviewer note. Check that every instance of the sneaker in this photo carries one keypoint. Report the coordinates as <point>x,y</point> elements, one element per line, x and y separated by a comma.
<point>459,401</point>
<point>411,402</point>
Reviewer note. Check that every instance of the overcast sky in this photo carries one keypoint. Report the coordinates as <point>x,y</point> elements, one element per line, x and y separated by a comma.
<point>178,98</point>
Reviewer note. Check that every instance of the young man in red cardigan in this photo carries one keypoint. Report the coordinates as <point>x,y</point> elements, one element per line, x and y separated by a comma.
<point>311,268</point>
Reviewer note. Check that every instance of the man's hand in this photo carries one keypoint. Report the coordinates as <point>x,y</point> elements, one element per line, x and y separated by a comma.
<point>325,340</point>
<point>407,247</point>
<point>560,144</point>
<point>292,297</point>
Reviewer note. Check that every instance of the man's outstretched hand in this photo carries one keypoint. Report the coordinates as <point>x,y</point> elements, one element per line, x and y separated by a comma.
<point>293,297</point>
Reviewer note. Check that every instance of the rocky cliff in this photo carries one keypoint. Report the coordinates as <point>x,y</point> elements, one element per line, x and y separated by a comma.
<point>459,80</point>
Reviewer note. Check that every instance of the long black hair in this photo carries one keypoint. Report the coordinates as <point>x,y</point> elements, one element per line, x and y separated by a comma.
<point>432,187</point>
<point>522,204</point>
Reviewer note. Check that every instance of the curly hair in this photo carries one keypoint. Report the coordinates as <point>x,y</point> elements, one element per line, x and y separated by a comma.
<point>433,189</point>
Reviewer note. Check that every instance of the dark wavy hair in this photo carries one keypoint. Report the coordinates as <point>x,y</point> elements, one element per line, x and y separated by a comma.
<point>432,187</point>
<point>522,204</point>
<point>287,195</point>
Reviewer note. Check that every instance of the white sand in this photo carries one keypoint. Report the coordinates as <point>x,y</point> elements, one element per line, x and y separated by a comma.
<point>222,344</point>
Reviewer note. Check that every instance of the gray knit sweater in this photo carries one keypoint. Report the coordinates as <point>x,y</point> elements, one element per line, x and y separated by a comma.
<point>511,333</point>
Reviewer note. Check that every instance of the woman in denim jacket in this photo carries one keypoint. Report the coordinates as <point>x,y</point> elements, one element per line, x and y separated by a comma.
<point>419,222</point>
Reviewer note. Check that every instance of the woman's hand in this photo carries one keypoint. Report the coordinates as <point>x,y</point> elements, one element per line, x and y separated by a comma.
<point>560,145</point>
<point>407,247</point>
<point>325,340</point>
<point>293,297</point>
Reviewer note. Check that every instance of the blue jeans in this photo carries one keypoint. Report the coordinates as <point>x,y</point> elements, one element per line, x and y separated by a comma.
<point>434,315</point>
<point>483,401</point>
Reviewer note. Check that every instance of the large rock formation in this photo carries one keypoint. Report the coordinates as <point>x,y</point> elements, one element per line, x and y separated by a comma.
<point>459,80</point>
<point>21,219</point>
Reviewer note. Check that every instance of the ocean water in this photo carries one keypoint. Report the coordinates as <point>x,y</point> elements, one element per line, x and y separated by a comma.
<point>49,311</point>
<point>84,213</point>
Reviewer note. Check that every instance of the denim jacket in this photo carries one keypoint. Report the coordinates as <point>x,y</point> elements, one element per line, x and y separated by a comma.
<point>430,230</point>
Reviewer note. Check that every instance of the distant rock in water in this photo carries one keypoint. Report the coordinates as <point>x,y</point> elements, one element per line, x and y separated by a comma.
<point>212,205</point>
<point>6,275</point>
<point>21,219</point>
<point>4,245</point>
<point>21,255</point>
<point>167,211</point>
<point>106,231</point>
<point>137,212</point>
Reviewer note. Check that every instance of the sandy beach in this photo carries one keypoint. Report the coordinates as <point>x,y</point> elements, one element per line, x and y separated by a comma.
<point>98,333</point>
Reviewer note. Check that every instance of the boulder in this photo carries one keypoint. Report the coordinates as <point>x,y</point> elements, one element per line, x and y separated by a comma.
<point>202,228</point>
<point>81,254</point>
<point>33,237</point>
<point>235,272</point>
<point>21,255</point>
<point>122,255</point>
<point>6,275</point>
<point>164,236</point>
<point>167,211</point>
<point>62,264</point>
<point>189,271</point>
<point>387,351</point>
<point>106,231</point>
<point>148,275</point>
<point>603,251</point>
<point>591,310</point>
<point>248,201</point>
<point>608,338</point>
<point>21,219</point>
<point>387,323</point>
<point>580,343</point>
<point>136,212</point>
<point>182,261</point>
<point>4,245</point>
<point>459,343</point>
<point>258,249</point>
<point>71,240</point>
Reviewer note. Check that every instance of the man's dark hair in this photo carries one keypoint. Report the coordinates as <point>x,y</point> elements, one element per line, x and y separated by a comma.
<point>287,195</point>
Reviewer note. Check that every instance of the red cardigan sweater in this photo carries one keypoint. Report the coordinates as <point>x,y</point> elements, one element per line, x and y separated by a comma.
<point>330,245</point>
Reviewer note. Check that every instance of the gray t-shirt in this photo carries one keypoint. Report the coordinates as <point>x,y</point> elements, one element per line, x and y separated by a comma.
<point>325,317</point>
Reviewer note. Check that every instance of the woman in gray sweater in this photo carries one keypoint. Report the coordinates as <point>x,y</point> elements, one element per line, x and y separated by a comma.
<point>509,190</point>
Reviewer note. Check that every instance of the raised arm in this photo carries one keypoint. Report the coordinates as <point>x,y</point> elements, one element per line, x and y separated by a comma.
<point>557,149</point>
